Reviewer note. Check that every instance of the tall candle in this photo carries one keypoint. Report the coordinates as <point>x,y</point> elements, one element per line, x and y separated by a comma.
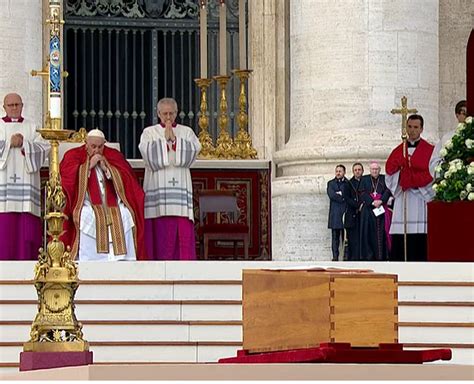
<point>55,61</point>
<point>242,36</point>
<point>203,32</point>
<point>223,38</point>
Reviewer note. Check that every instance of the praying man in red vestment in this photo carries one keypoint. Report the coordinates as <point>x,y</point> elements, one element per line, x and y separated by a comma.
<point>22,153</point>
<point>409,173</point>
<point>104,203</point>
<point>169,149</point>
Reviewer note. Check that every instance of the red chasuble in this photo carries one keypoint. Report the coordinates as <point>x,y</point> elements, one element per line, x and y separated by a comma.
<point>74,169</point>
<point>414,170</point>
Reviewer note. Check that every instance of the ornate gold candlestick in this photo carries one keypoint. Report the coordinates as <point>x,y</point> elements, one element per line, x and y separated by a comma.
<point>207,146</point>
<point>224,144</point>
<point>243,148</point>
<point>55,327</point>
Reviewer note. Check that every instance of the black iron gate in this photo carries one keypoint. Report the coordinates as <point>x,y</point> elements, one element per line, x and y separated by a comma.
<point>124,55</point>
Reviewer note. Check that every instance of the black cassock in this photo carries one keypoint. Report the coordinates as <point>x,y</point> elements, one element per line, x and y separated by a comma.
<point>373,245</point>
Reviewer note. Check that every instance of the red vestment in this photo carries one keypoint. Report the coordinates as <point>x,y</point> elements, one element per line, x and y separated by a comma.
<point>74,169</point>
<point>414,170</point>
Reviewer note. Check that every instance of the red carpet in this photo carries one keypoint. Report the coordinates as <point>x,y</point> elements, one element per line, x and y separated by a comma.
<point>342,353</point>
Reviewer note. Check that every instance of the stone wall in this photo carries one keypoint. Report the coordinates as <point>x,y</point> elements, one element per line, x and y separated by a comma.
<point>456,19</point>
<point>21,35</point>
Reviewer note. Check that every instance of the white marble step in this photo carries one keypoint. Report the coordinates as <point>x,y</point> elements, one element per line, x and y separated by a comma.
<point>436,314</point>
<point>131,291</point>
<point>172,312</point>
<point>454,335</point>
<point>177,291</point>
<point>139,332</point>
<point>184,332</point>
<point>216,312</point>
<point>436,293</point>
<point>8,370</point>
<point>232,270</point>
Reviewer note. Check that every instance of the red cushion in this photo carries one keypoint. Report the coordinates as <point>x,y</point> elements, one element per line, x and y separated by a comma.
<point>224,228</point>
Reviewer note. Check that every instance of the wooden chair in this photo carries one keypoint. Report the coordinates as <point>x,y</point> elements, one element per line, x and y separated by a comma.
<point>215,202</point>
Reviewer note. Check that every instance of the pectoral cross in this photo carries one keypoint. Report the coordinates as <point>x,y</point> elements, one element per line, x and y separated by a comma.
<point>173,181</point>
<point>404,111</point>
<point>15,178</point>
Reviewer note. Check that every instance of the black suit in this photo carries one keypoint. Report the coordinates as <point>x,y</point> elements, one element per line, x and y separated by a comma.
<point>337,208</point>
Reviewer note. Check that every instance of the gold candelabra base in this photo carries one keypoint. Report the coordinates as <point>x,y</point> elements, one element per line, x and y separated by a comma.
<point>224,143</point>
<point>207,146</point>
<point>243,148</point>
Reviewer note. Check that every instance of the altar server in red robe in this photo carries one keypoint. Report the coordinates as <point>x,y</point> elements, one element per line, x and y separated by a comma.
<point>105,203</point>
<point>409,173</point>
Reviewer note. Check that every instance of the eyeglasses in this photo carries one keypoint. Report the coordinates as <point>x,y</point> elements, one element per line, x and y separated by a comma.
<point>15,105</point>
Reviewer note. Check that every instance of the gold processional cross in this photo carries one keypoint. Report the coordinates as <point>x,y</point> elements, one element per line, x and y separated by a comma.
<point>404,111</point>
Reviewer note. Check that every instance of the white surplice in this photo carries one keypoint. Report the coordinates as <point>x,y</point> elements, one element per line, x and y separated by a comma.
<point>416,204</point>
<point>20,168</point>
<point>167,184</point>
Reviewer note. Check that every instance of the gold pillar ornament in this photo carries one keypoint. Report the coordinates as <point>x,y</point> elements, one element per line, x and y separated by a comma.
<point>224,143</point>
<point>243,148</point>
<point>55,327</point>
<point>207,146</point>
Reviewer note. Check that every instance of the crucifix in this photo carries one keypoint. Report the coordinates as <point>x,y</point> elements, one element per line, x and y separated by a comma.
<point>173,181</point>
<point>15,178</point>
<point>404,111</point>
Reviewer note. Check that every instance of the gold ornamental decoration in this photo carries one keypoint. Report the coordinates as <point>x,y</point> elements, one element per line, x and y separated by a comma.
<point>78,137</point>
<point>224,143</point>
<point>55,327</point>
<point>207,146</point>
<point>243,148</point>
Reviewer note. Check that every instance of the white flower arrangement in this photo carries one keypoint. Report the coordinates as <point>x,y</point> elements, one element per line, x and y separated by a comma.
<point>456,171</point>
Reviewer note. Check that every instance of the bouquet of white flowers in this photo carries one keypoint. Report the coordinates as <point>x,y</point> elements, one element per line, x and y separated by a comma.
<point>456,171</point>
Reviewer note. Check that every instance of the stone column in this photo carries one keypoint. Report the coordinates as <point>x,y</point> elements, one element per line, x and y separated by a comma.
<point>350,63</point>
<point>21,40</point>
<point>456,19</point>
